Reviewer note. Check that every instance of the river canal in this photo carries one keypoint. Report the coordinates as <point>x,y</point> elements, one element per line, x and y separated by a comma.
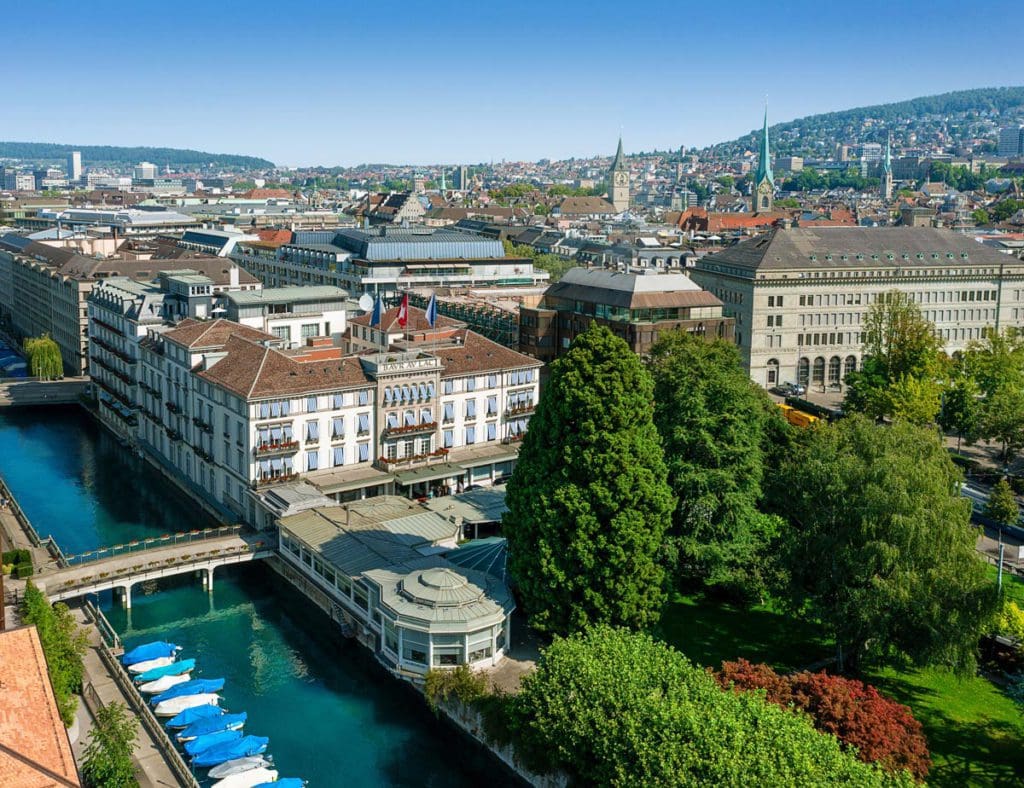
<point>332,716</point>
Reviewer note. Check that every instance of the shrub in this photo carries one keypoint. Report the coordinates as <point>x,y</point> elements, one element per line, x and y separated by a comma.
<point>20,556</point>
<point>462,683</point>
<point>1011,620</point>
<point>22,571</point>
<point>881,730</point>
<point>611,707</point>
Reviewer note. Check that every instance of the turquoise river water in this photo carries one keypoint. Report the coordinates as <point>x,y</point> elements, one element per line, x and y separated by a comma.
<point>333,716</point>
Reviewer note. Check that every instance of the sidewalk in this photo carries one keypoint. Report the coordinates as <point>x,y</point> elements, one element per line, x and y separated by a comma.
<point>150,767</point>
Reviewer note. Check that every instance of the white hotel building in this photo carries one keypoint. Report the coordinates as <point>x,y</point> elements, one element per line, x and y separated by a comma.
<point>800,296</point>
<point>235,414</point>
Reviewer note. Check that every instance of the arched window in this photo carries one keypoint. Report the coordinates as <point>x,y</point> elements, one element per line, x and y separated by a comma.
<point>802,369</point>
<point>851,365</point>
<point>773,371</point>
<point>834,366</point>
<point>818,373</point>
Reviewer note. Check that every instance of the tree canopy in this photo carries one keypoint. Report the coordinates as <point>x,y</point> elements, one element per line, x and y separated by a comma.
<point>882,550</point>
<point>611,707</point>
<point>713,422</point>
<point>589,502</point>
<point>114,154</point>
<point>44,360</point>
<point>902,369</point>
<point>1001,506</point>
<point>63,643</point>
<point>107,759</point>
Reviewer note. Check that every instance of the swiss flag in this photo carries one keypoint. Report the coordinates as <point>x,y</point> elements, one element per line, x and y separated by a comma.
<point>403,311</point>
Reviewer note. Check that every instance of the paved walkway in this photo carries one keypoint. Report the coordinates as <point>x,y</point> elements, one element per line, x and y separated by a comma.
<point>150,767</point>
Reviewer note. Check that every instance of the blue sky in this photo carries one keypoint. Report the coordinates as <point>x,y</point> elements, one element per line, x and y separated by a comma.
<point>450,82</point>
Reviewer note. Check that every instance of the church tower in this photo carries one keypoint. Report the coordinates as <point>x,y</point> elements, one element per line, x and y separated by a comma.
<point>618,182</point>
<point>886,184</point>
<point>764,181</point>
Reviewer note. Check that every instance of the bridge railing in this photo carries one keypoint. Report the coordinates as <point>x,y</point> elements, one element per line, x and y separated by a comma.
<point>176,563</point>
<point>140,545</point>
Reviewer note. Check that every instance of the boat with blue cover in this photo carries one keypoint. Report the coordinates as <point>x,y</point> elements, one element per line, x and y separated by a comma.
<point>147,651</point>
<point>247,745</point>
<point>223,722</point>
<point>193,714</point>
<point>193,687</point>
<point>172,669</point>
<point>203,743</point>
<point>284,782</point>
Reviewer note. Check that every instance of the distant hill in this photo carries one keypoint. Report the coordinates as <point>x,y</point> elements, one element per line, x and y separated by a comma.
<point>962,115</point>
<point>92,155</point>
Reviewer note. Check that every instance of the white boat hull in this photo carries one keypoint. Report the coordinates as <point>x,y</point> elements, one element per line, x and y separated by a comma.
<point>174,706</point>
<point>247,779</point>
<point>239,765</point>
<point>163,683</point>
<point>149,664</point>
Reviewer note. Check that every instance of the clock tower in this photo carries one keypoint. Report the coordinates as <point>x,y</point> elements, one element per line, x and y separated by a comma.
<point>618,182</point>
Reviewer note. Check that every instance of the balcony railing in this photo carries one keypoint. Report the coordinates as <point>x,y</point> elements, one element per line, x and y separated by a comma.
<point>521,410</point>
<point>204,426</point>
<point>174,408</point>
<point>409,429</point>
<point>278,447</point>
<point>513,438</point>
<point>266,481</point>
<point>416,461</point>
<point>174,435</point>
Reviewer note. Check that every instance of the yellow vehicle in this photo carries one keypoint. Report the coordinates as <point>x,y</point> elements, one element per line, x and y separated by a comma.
<point>797,417</point>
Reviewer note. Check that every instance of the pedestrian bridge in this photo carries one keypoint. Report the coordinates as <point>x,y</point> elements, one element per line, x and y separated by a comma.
<point>122,566</point>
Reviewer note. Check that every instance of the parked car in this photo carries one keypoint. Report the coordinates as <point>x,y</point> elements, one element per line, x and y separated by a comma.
<point>788,389</point>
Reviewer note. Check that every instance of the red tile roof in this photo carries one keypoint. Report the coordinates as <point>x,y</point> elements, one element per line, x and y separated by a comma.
<point>212,333</point>
<point>30,724</point>
<point>477,353</point>
<point>275,236</point>
<point>417,321</point>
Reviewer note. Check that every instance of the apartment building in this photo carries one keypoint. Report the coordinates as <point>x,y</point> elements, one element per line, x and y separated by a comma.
<point>234,413</point>
<point>800,296</point>
<point>292,314</point>
<point>44,289</point>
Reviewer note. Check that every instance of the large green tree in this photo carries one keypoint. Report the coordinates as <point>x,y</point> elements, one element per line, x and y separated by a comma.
<point>44,359</point>
<point>617,708</point>
<point>960,411</point>
<point>902,365</point>
<point>714,422</point>
<point>107,759</point>
<point>1001,506</point>
<point>882,549</point>
<point>589,503</point>
<point>995,364</point>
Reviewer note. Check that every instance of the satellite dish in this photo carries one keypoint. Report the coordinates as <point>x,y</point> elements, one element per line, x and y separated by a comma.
<point>366,302</point>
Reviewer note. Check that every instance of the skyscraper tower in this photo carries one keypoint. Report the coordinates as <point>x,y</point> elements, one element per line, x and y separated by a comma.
<point>764,181</point>
<point>886,184</point>
<point>618,178</point>
<point>74,166</point>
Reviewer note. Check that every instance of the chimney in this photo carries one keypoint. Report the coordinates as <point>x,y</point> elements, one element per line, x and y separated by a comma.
<point>233,277</point>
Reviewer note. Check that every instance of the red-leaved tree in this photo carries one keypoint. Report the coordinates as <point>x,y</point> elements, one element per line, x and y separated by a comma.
<point>883,731</point>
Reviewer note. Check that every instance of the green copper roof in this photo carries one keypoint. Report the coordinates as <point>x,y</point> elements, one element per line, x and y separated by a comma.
<point>620,162</point>
<point>764,163</point>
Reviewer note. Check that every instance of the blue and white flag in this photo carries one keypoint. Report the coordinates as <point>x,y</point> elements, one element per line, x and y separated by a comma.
<point>432,310</point>
<point>378,310</point>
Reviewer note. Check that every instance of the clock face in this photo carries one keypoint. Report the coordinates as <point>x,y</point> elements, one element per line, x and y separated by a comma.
<point>620,179</point>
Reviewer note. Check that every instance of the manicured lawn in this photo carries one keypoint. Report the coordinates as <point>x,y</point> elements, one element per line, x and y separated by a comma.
<point>975,733</point>
<point>1013,586</point>
<point>709,631</point>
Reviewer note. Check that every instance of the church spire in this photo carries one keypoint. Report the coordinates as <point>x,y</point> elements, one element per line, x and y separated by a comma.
<point>764,181</point>
<point>886,179</point>
<point>620,160</point>
<point>764,163</point>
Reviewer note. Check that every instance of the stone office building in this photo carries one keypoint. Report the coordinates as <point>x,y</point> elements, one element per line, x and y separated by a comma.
<point>800,296</point>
